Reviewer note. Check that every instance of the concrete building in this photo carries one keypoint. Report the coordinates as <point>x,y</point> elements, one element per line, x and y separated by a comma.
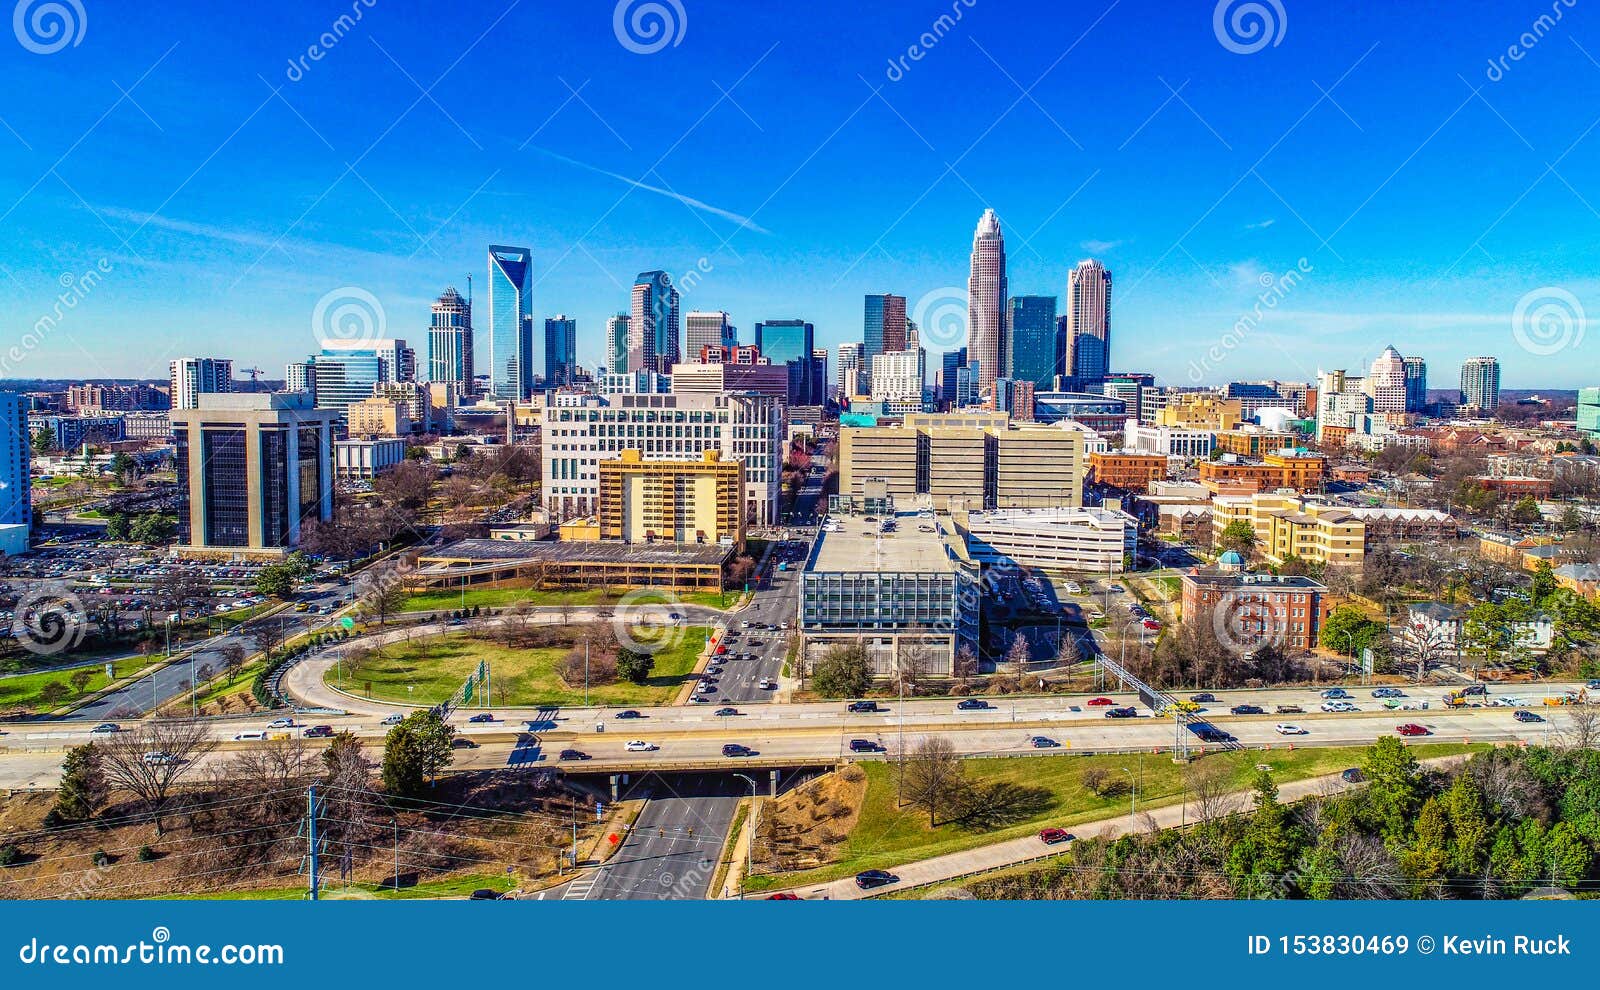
<point>1057,540</point>
<point>417,400</point>
<point>848,382</point>
<point>16,485</point>
<point>1200,411</point>
<point>1297,469</point>
<point>1286,526</point>
<point>681,501</point>
<point>707,328</point>
<point>93,398</point>
<point>1480,384</point>
<point>1386,382</point>
<point>450,341</point>
<point>1167,440</point>
<point>252,469</point>
<point>986,302</point>
<point>899,376</point>
<point>189,377</point>
<point>1257,610</point>
<point>366,458</point>
<point>1253,441</point>
<point>715,379</point>
<point>377,417</point>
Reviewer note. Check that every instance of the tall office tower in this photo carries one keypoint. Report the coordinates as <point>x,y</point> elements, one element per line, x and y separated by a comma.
<point>707,328</point>
<point>1088,336</point>
<point>617,343</point>
<point>883,329</point>
<point>560,350</point>
<point>396,361</point>
<point>16,492</point>
<point>192,376</point>
<point>252,469</point>
<point>654,341</point>
<point>1480,383</point>
<point>1386,382</point>
<point>849,371</point>
<point>986,301</point>
<point>450,341</point>
<point>913,336</point>
<point>949,362</point>
<point>1416,385</point>
<point>791,342</point>
<point>1031,333</point>
<point>900,377</point>
<point>819,375</point>
<point>511,359</point>
<point>1063,362</point>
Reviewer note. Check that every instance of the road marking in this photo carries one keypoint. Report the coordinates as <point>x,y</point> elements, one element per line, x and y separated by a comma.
<point>578,890</point>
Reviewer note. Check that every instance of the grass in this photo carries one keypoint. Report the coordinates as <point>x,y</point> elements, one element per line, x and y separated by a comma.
<point>461,886</point>
<point>437,666</point>
<point>887,835</point>
<point>444,601</point>
<point>23,691</point>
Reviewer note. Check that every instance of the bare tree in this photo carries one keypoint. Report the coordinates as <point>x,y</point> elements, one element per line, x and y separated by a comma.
<point>382,592</point>
<point>1210,793</point>
<point>932,777</point>
<point>150,760</point>
<point>233,657</point>
<point>1583,728</point>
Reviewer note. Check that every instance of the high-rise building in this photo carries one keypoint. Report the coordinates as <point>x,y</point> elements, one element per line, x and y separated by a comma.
<point>883,329</point>
<point>450,341</point>
<point>849,371</point>
<point>707,328</point>
<point>791,343</point>
<point>654,338</point>
<point>949,363</point>
<point>1416,385</point>
<point>396,361</point>
<point>1088,330</point>
<point>1480,383</point>
<point>560,350</point>
<point>986,302</point>
<point>1031,347</point>
<point>192,376</point>
<point>16,492</point>
<point>913,336</point>
<point>252,470</point>
<point>511,358</point>
<point>617,343</point>
<point>680,501</point>
<point>1589,412</point>
<point>900,377</point>
<point>819,375</point>
<point>1386,382</point>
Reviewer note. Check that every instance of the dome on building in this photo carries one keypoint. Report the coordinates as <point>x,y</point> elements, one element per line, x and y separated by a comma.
<point>1275,419</point>
<point>1230,560</point>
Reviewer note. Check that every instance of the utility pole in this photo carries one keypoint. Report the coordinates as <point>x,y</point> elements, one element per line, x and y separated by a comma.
<point>311,840</point>
<point>395,821</point>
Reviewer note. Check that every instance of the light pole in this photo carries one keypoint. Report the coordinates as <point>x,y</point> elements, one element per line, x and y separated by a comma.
<point>750,842</point>
<point>395,821</point>
<point>1133,793</point>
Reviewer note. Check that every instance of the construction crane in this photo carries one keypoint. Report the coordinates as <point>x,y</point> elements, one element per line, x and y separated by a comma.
<point>255,377</point>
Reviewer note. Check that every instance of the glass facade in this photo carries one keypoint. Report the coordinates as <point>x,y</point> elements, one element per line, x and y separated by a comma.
<point>180,461</point>
<point>790,343</point>
<point>560,350</point>
<point>275,486</point>
<point>511,359</point>
<point>310,449</point>
<point>1031,325</point>
<point>227,494</point>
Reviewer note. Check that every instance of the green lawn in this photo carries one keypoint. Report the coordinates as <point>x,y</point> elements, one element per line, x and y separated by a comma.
<point>23,691</point>
<point>443,601</point>
<point>451,887</point>
<point>436,667</point>
<point>887,836</point>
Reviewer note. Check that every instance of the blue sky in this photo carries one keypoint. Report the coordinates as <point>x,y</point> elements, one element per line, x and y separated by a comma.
<point>223,190</point>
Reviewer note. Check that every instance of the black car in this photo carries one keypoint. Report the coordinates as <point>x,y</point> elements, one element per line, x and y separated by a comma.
<point>863,706</point>
<point>863,746</point>
<point>319,732</point>
<point>462,742</point>
<point>573,754</point>
<point>1522,715</point>
<point>971,705</point>
<point>484,717</point>
<point>485,894</point>
<point>868,879</point>
<point>734,749</point>
<point>628,713</point>
<point>1248,710</point>
<point>725,712</point>
<point>1122,713</point>
<point>1210,733</point>
<point>1203,699</point>
<point>1352,776</point>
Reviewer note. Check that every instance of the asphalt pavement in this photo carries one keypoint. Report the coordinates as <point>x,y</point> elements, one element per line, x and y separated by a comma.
<point>671,851</point>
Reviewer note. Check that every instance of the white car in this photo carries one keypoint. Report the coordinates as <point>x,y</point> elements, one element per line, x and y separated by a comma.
<point>638,746</point>
<point>1287,729</point>
<point>394,719</point>
<point>281,723</point>
<point>1339,706</point>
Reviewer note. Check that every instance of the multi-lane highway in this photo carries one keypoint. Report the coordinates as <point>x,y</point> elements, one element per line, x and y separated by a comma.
<point>671,851</point>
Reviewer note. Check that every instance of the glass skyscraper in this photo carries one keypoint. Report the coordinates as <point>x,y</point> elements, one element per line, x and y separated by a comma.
<point>511,359</point>
<point>450,341</point>
<point>1031,349</point>
<point>791,342</point>
<point>560,350</point>
<point>883,329</point>
<point>617,343</point>
<point>654,338</point>
<point>1088,336</point>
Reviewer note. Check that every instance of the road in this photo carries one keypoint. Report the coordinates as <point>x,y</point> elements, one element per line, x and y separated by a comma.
<point>671,851</point>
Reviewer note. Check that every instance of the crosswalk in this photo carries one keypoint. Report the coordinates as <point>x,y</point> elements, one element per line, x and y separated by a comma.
<point>578,890</point>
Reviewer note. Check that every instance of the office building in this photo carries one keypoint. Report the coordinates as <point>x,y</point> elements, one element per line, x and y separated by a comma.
<point>899,377</point>
<point>511,357</point>
<point>680,501</point>
<point>1299,470</point>
<point>654,337</point>
<point>16,491</point>
<point>703,328</point>
<point>337,377</point>
<point>417,401</point>
<point>1088,329</point>
<point>1416,371</point>
<point>791,344</point>
<point>1480,384</point>
<point>1341,399</point>
<point>1589,412</point>
<point>450,341</point>
<point>396,361</point>
<point>1169,441</point>
<point>1055,539</point>
<point>1031,329</point>
<point>949,362</point>
<point>378,417</point>
<point>252,470</point>
<point>362,459</point>
<point>1014,397</point>
<point>986,302</point>
<point>1259,610</point>
<point>193,376</point>
<point>1386,382</point>
<point>1254,441</point>
<point>705,378</point>
<point>883,329</point>
<point>560,351</point>
<point>617,343</point>
<point>1200,411</point>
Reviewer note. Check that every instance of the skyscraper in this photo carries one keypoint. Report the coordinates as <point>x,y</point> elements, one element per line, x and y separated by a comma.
<point>849,371</point>
<point>1416,385</point>
<point>883,329</point>
<point>191,376</point>
<point>16,492</point>
<point>654,340</point>
<point>986,301</point>
<point>560,350</point>
<point>1386,382</point>
<point>511,359</point>
<point>617,343</point>
<point>1480,383</point>
<point>707,328</point>
<point>450,341</point>
<point>1031,333</point>
<point>1088,314</point>
<point>950,363</point>
<point>791,342</point>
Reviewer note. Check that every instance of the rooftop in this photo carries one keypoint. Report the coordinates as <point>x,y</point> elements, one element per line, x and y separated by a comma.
<point>858,546</point>
<point>574,552</point>
<point>1265,582</point>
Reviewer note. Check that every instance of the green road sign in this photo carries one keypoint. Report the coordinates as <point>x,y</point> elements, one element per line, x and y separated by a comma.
<point>347,622</point>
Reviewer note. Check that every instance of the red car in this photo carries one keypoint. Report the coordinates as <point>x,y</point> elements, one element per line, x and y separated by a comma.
<point>783,897</point>
<point>1051,836</point>
<point>1411,729</point>
<point>1099,702</point>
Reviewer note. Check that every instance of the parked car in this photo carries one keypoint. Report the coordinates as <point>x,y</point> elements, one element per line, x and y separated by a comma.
<point>1052,836</point>
<point>1248,710</point>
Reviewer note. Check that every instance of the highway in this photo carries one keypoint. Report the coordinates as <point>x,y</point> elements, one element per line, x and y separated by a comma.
<point>671,851</point>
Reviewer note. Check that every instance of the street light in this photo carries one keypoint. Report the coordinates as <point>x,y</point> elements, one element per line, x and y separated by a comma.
<point>1133,793</point>
<point>750,842</point>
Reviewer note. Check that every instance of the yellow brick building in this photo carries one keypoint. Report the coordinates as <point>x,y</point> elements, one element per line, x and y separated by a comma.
<point>681,501</point>
<point>1287,526</point>
<point>1201,411</point>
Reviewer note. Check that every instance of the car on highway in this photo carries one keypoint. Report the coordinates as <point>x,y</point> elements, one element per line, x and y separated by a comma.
<point>1338,706</point>
<point>628,713</point>
<point>319,732</point>
<point>868,879</point>
<point>1052,836</point>
<point>394,719</point>
<point>462,742</point>
<point>1122,713</point>
<point>1333,694</point>
<point>971,705</point>
<point>573,754</point>
<point>863,707</point>
<point>482,717</point>
<point>1204,698</point>
<point>1523,715</point>
<point>1289,710</point>
<point>105,727</point>
<point>1412,729</point>
<point>863,746</point>
<point>1388,692</point>
<point>1289,729</point>
<point>725,712</point>
<point>1248,710</point>
<point>1099,702</point>
<point>157,758</point>
<point>486,894</point>
<point>1210,733</point>
<point>638,746</point>
<point>281,723</point>
<point>734,749</point>
<point>1593,685</point>
<point>1043,742</point>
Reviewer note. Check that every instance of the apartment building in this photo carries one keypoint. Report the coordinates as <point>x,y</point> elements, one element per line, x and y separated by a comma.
<point>682,501</point>
<point>1300,470</point>
<point>378,417</point>
<point>1131,471</point>
<point>1286,526</point>
<point>1261,610</point>
<point>1254,442</point>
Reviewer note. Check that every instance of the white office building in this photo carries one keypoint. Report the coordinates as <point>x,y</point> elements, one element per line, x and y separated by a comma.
<point>191,376</point>
<point>1066,539</point>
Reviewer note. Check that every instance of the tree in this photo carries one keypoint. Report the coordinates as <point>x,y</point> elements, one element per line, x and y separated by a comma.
<point>1260,860</point>
<point>150,760</point>
<point>634,665</point>
<point>275,581</point>
<point>233,657</point>
<point>1238,536</point>
<point>82,791</point>
<point>1017,657</point>
<point>843,672</point>
<point>381,592</point>
<point>43,440</point>
<point>180,589</point>
<point>265,636</point>
<point>932,778</point>
<point>117,526</point>
<point>153,528</point>
<point>1394,788</point>
<point>1349,631</point>
<point>54,693</point>
<point>414,752</point>
<point>80,678</point>
<point>1544,583</point>
<point>1526,511</point>
<point>121,466</point>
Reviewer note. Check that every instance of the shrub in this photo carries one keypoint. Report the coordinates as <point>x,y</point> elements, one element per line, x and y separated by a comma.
<point>10,854</point>
<point>146,854</point>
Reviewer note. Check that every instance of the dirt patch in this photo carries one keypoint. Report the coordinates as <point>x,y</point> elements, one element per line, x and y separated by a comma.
<point>809,826</point>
